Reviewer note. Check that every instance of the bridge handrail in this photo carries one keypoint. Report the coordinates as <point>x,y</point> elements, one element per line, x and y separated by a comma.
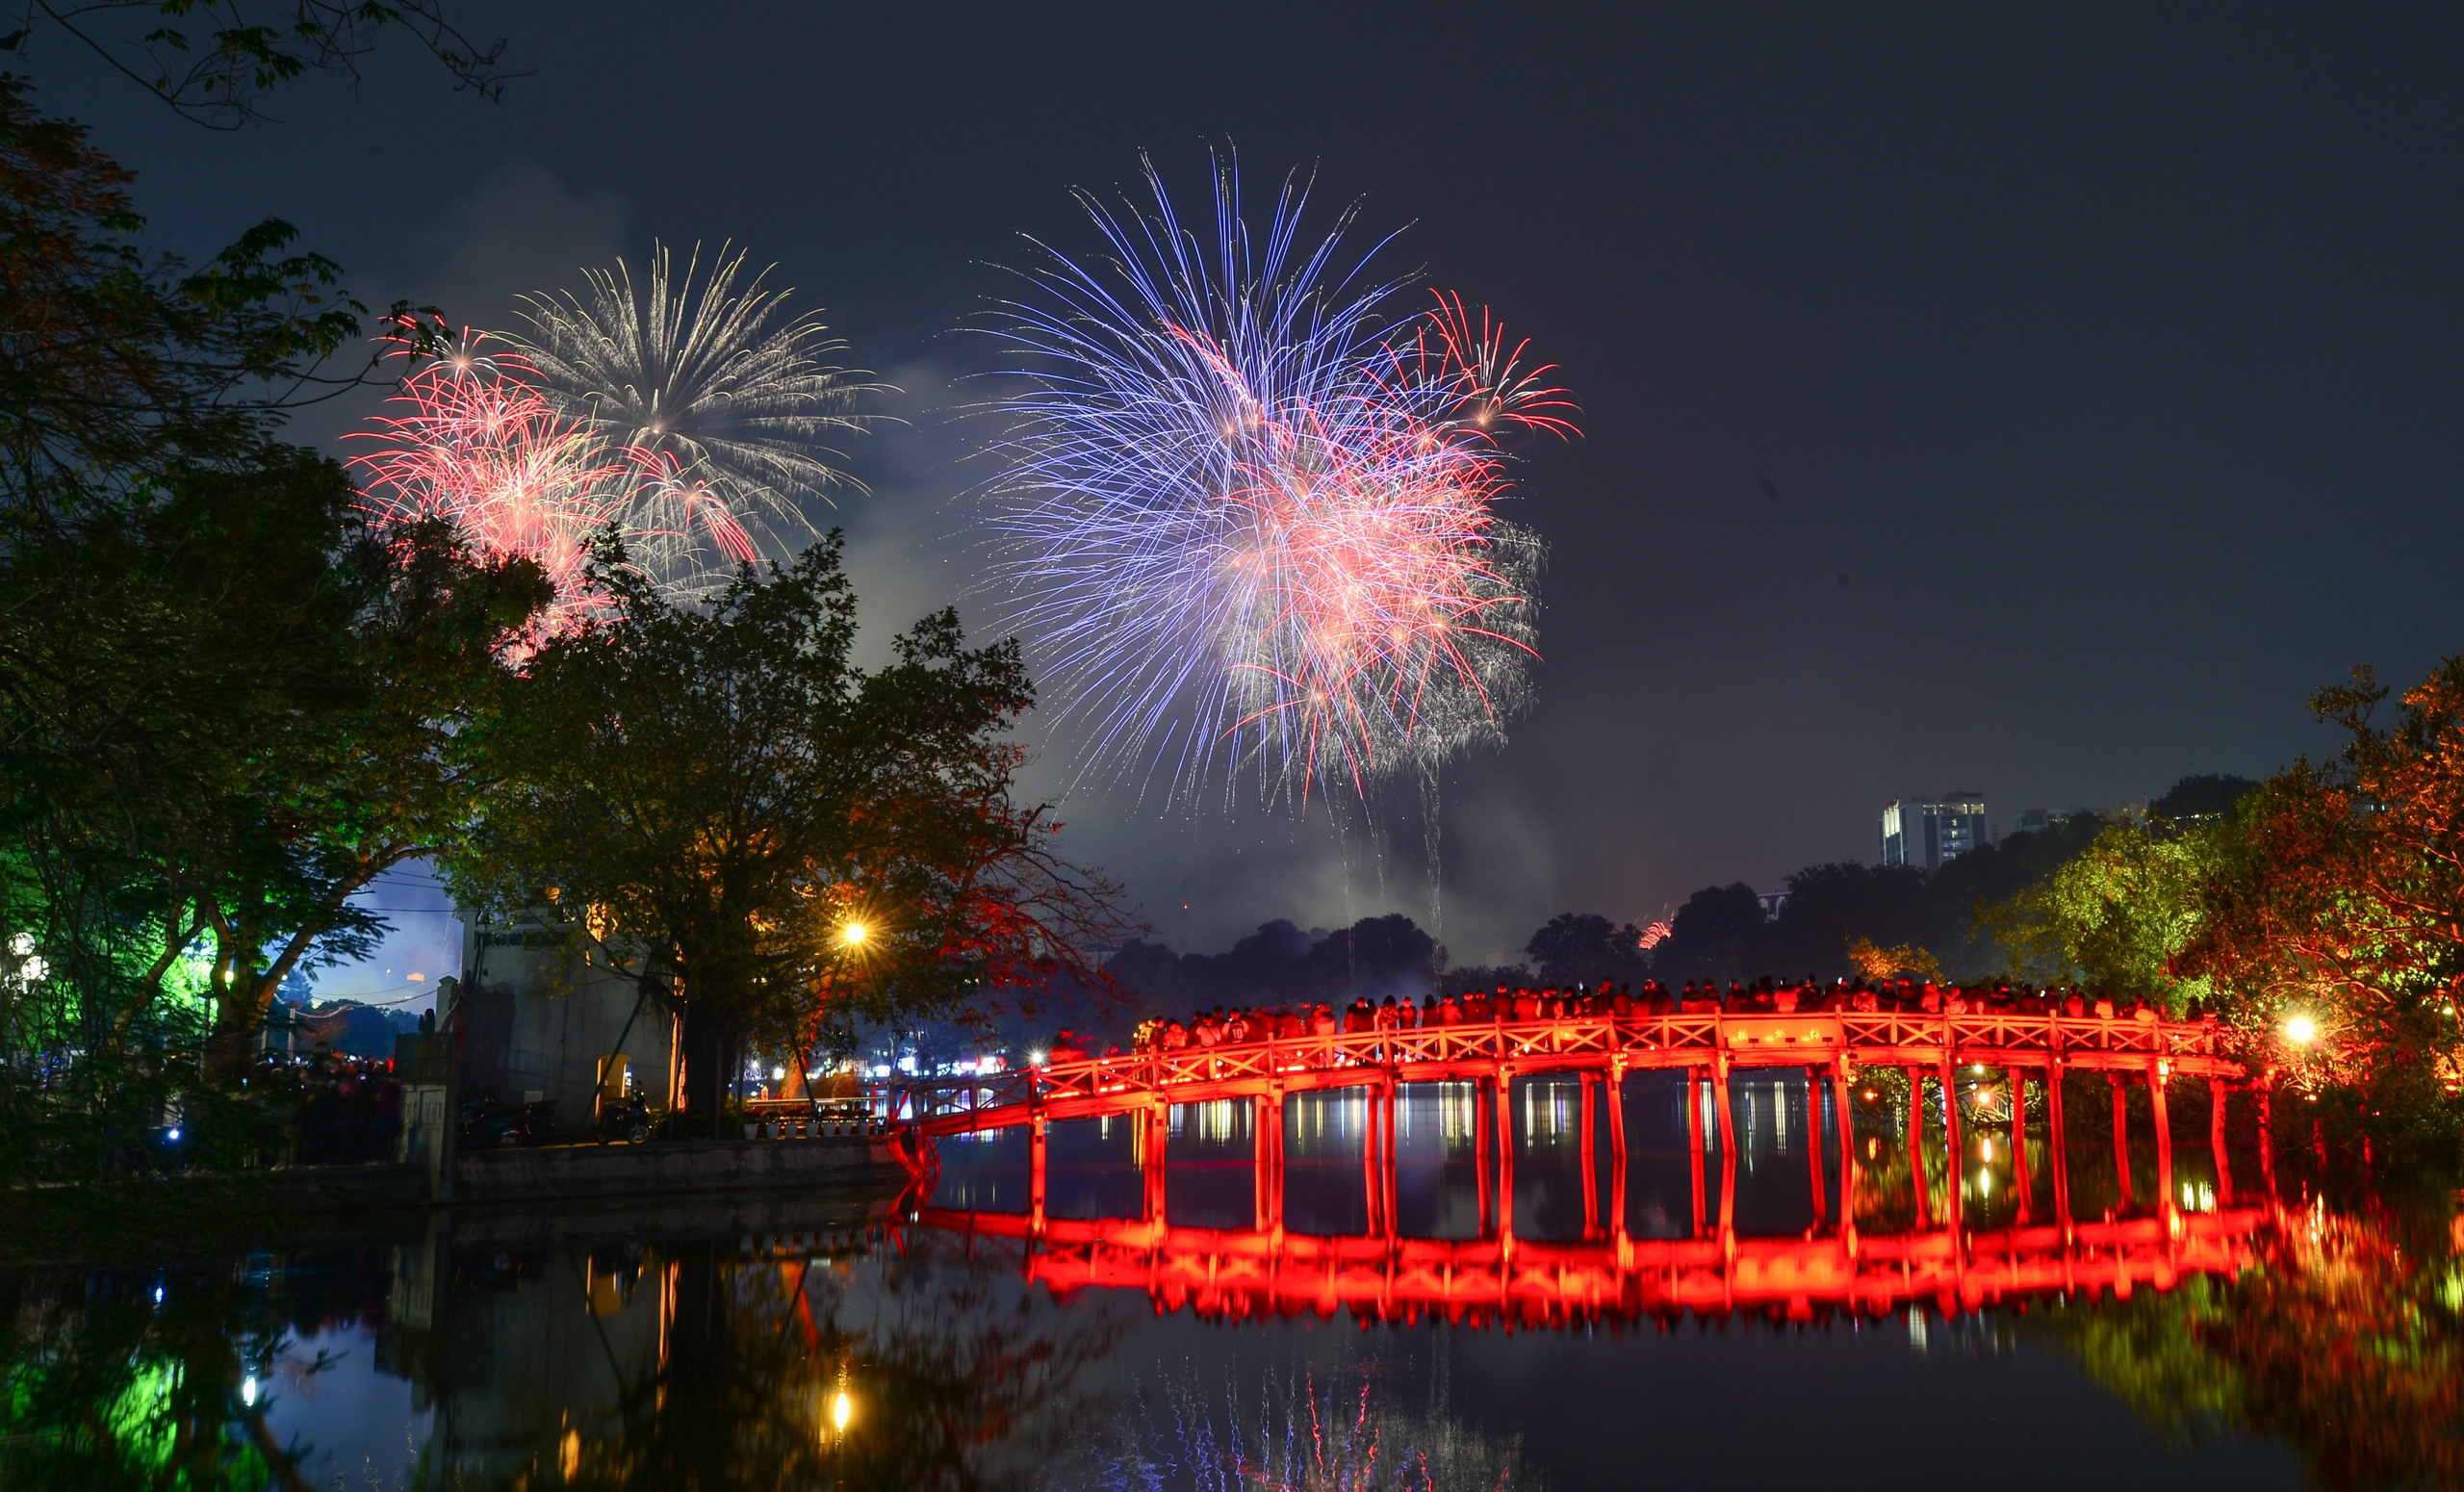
<point>1969,1036</point>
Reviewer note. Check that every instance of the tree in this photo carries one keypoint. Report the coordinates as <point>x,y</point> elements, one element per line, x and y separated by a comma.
<point>224,708</point>
<point>1716,935</point>
<point>2117,916</point>
<point>730,808</point>
<point>2342,896</point>
<point>1585,947</point>
<point>214,65</point>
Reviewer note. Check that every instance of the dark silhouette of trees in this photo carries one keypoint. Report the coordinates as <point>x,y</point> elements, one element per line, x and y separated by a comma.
<point>1280,964</point>
<point>1585,947</point>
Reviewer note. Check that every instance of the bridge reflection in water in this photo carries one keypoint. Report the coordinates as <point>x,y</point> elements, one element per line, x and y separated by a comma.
<point>1617,1172</point>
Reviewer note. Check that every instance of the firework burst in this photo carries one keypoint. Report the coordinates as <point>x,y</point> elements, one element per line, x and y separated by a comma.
<point>737,407</point>
<point>477,445</point>
<point>1246,523</point>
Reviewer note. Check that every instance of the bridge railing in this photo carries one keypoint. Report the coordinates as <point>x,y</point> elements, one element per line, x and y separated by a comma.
<point>1816,1035</point>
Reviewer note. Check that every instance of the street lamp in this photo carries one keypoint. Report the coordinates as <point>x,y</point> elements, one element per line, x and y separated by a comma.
<point>2301,1030</point>
<point>854,934</point>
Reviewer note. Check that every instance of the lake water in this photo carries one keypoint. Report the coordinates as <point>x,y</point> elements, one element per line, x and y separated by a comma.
<point>1386,1335</point>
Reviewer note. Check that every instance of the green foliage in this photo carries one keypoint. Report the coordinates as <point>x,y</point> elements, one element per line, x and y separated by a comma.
<point>2117,916</point>
<point>718,794</point>
<point>224,705</point>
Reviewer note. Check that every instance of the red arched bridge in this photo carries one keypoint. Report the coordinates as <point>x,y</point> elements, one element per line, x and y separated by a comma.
<point>1143,1086</point>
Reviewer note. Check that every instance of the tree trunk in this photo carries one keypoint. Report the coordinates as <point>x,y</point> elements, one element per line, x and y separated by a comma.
<point>713,1050</point>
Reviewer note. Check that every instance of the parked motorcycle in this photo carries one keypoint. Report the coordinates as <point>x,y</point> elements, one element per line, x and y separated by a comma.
<point>492,1123</point>
<point>626,1119</point>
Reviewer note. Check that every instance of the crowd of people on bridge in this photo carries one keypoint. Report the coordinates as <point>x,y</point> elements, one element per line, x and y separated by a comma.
<point>1524,1006</point>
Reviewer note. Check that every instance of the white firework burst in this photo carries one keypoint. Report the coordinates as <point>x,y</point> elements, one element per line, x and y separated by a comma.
<point>701,380</point>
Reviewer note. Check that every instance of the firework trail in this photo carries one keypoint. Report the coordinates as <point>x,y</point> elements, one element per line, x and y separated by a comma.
<point>1302,1430</point>
<point>734,405</point>
<point>477,445</point>
<point>1245,522</point>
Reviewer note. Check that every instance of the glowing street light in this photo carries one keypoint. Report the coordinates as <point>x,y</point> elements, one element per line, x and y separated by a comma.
<point>2301,1030</point>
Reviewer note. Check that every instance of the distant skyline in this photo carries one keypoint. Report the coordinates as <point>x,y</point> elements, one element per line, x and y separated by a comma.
<point>2040,397</point>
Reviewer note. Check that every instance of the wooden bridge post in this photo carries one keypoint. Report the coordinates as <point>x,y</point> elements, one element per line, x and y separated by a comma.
<point>2122,1133</point>
<point>1391,1159</point>
<point>1813,1138</point>
<point>2165,1203</point>
<point>1728,1143</point>
<point>1505,1157</point>
<point>2220,1092</point>
<point>1590,1159</point>
<point>1953,1162</point>
<point>1694,1143</point>
<point>1483,1120</point>
<point>1917,1139</point>
<point>2265,1098</point>
<point>2019,1077</point>
<point>1617,1149</point>
<point>1159,1124</point>
<point>1839,1080</point>
<point>1037,1148</point>
<point>2057,1150</point>
<point>1270,1164</point>
<point>1372,1188</point>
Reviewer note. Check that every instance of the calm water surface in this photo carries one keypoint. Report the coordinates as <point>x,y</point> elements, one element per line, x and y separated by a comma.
<point>937,1342</point>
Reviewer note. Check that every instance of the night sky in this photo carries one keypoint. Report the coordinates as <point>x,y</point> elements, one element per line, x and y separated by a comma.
<point>2039,401</point>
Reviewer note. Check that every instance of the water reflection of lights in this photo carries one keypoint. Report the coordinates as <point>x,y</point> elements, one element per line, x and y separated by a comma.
<point>248,1391</point>
<point>842,1409</point>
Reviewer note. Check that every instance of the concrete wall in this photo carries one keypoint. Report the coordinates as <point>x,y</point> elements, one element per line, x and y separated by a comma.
<point>541,1013</point>
<point>673,1166</point>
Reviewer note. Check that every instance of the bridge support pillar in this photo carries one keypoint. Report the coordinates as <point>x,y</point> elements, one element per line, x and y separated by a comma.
<point>2121,1134</point>
<point>1813,1140</point>
<point>1039,1147</point>
<point>1916,1139</point>
<point>1373,1185</point>
<point>2056,1149</point>
<point>2165,1203</point>
<point>1617,1152</point>
<point>1504,1090</point>
<point>1590,1158</point>
<point>1694,1146</point>
<point>1268,1142</point>
<point>2018,1079</point>
<point>1954,1162</point>
<point>1847,1152</point>
<point>2265,1098</point>
<point>1728,1145</point>
<point>1159,1124</point>
<point>2218,1094</point>
<point>1386,1177</point>
<point>1485,1102</point>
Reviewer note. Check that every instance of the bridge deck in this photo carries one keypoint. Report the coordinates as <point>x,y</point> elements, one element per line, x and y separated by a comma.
<point>1091,1086</point>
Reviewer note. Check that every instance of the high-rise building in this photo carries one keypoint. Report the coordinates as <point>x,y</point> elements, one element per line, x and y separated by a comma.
<point>1927,834</point>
